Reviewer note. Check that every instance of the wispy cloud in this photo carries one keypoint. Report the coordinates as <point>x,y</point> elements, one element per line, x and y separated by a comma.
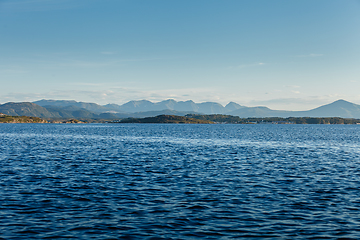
<point>301,103</point>
<point>86,84</point>
<point>294,89</point>
<point>120,95</point>
<point>251,65</point>
<point>276,100</point>
<point>146,59</point>
<point>305,103</point>
<point>247,65</point>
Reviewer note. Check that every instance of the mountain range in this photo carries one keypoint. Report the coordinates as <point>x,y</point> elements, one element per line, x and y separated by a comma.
<point>145,108</point>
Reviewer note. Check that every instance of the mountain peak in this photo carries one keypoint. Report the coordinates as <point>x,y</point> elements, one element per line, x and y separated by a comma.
<point>342,101</point>
<point>169,101</point>
<point>231,106</point>
<point>339,108</point>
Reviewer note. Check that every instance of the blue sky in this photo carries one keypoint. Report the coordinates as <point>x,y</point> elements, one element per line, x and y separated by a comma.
<point>284,54</point>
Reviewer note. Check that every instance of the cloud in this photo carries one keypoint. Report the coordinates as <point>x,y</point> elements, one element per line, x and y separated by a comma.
<point>306,103</point>
<point>86,84</point>
<point>251,65</point>
<point>120,95</point>
<point>105,93</point>
<point>277,100</point>
<point>301,103</point>
<point>246,65</point>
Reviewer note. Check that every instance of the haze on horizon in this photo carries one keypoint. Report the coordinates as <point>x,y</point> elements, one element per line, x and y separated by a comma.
<point>290,55</point>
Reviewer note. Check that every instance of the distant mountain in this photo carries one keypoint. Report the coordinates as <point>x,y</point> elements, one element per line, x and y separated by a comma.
<point>71,112</point>
<point>259,112</point>
<point>231,106</point>
<point>25,109</point>
<point>170,104</point>
<point>339,108</point>
<point>211,108</point>
<point>58,103</point>
<point>132,106</point>
<point>64,103</point>
<point>186,106</point>
<point>34,110</point>
<point>144,108</point>
<point>81,113</point>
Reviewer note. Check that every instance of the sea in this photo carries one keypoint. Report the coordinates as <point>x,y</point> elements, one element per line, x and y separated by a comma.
<point>179,181</point>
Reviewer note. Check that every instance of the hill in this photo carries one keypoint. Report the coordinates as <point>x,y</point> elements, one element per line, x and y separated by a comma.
<point>60,109</point>
<point>20,119</point>
<point>147,106</point>
<point>339,108</point>
<point>25,109</point>
<point>218,118</point>
<point>247,112</point>
<point>157,113</point>
<point>93,107</point>
<point>55,112</point>
<point>166,119</point>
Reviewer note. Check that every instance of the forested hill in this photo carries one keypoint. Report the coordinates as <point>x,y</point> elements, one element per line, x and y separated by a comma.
<point>166,119</point>
<point>219,118</point>
<point>80,111</point>
<point>20,119</point>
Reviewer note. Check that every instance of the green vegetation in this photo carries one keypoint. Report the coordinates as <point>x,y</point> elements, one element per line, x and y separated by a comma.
<point>189,119</point>
<point>20,119</point>
<point>219,118</point>
<point>66,121</point>
<point>324,120</point>
<point>165,119</point>
<point>25,109</point>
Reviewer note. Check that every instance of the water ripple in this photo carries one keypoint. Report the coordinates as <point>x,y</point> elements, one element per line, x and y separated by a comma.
<point>158,181</point>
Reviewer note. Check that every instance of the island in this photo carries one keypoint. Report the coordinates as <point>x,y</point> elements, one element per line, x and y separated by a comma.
<point>165,119</point>
<point>228,119</point>
<point>220,118</point>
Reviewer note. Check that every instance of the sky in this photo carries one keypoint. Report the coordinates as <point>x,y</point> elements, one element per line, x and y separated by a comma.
<point>290,55</point>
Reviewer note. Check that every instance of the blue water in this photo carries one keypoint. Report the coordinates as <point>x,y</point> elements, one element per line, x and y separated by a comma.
<point>165,181</point>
